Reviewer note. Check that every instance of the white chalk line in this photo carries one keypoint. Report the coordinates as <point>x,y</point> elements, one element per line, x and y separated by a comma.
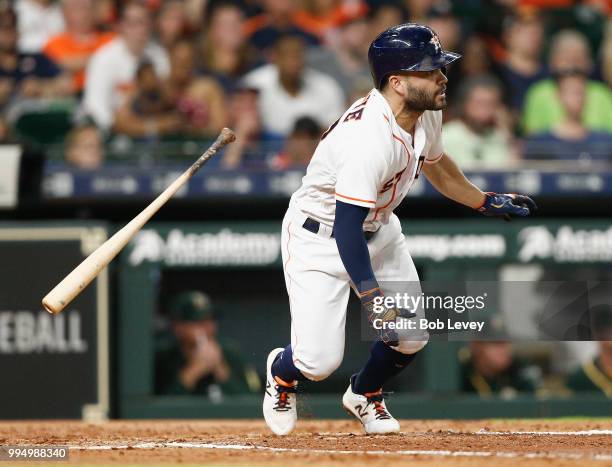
<point>412,452</point>
<point>544,433</point>
<point>489,433</point>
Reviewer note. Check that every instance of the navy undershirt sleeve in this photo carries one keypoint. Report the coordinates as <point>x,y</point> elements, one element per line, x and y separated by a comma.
<point>352,246</point>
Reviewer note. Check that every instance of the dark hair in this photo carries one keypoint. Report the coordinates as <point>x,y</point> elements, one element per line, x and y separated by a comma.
<point>567,73</point>
<point>306,126</point>
<point>285,36</point>
<point>144,66</point>
<point>77,130</point>
<point>213,6</point>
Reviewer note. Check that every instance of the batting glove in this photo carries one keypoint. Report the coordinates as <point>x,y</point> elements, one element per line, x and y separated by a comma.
<point>377,311</point>
<point>507,205</point>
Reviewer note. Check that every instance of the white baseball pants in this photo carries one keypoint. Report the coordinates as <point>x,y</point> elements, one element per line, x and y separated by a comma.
<point>319,287</point>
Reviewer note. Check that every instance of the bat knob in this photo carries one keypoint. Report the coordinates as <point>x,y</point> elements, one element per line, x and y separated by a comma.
<point>227,135</point>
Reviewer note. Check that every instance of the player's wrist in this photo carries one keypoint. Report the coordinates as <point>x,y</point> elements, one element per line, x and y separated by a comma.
<point>370,294</point>
<point>486,199</point>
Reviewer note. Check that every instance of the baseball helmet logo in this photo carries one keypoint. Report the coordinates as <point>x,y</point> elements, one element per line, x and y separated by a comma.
<point>436,43</point>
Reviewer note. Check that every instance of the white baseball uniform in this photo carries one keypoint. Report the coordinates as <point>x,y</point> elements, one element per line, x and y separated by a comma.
<point>367,159</point>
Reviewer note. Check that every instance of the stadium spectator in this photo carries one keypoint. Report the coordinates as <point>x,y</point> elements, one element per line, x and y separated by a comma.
<point>476,61</point>
<point>225,54</point>
<point>25,75</point>
<point>322,18</point>
<point>484,17</point>
<point>288,90</point>
<point>596,374</point>
<point>346,60</point>
<point>196,13</point>
<point>149,112</point>
<point>383,16</point>
<point>38,21</point>
<point>191,358</point>
<point>418,10</point>
<point>105,14</point>
<point>480,137</point>
<point>570,140</point>
<point>112,68</point>
<point>200,100</point>
<point>569,52</point>
<point>300,145</point>
<point>522,66</point>
<point>489,368</point>
<point>84,148</point>
<point>171,23</point>
<point>278,19</point>
<point>606,57</point>
<point>446,26</point>
<point>253,146</point>
<point>72,48</point>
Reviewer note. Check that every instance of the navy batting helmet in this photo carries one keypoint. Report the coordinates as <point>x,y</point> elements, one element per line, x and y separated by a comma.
<point>406,47</point>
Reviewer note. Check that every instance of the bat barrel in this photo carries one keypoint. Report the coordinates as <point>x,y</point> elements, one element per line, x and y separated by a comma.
<point>51,306</point>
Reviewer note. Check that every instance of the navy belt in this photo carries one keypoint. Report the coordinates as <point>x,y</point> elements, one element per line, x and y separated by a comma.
<point>313,226</point>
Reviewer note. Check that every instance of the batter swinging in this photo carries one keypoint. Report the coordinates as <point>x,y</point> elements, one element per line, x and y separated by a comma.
<point>340,231</point>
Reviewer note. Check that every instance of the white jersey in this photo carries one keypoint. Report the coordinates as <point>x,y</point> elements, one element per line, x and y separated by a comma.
<point>110,77</point>
<point>367,159</point>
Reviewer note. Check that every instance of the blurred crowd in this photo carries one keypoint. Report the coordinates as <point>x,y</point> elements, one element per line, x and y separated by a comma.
<point>533,83</point>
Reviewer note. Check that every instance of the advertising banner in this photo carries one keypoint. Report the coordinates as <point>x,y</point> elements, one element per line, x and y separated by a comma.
<point>53,366</point>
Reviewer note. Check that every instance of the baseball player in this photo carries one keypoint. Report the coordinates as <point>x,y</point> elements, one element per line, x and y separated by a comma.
<point>340,231</point>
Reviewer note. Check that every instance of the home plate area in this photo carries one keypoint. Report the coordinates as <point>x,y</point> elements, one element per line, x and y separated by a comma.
<point>326,442</point>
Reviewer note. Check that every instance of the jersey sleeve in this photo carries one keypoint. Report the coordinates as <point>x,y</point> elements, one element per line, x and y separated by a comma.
<point>99,91</point>
<point>436,150</point>
<point>363,167</point>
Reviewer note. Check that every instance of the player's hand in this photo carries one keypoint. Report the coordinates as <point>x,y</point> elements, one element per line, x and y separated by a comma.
<point>375,311</point>
<point>507,205</point>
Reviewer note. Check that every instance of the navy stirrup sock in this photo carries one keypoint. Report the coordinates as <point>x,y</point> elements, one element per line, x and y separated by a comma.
<point>284,368</point>
<point>383,364</point>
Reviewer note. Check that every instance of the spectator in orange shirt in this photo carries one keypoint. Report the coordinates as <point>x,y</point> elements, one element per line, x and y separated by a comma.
<point>71,49</point>
<point>323,18</point>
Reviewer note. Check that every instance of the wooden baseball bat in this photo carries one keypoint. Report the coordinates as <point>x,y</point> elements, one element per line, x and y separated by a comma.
<point>64,292</point>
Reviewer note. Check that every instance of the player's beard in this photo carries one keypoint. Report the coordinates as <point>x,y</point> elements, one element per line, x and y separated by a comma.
<point>418,100</point>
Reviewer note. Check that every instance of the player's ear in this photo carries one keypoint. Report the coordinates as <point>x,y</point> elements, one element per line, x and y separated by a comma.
<point>395,82</point>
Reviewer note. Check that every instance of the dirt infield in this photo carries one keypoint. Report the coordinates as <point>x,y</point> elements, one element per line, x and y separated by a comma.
<point>324,442</point>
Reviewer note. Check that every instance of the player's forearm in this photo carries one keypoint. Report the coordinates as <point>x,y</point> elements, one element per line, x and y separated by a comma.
<point>448,179</point>
<point>352,246</point>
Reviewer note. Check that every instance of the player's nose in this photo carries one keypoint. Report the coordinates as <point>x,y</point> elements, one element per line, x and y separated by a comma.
<point>441,77</point>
